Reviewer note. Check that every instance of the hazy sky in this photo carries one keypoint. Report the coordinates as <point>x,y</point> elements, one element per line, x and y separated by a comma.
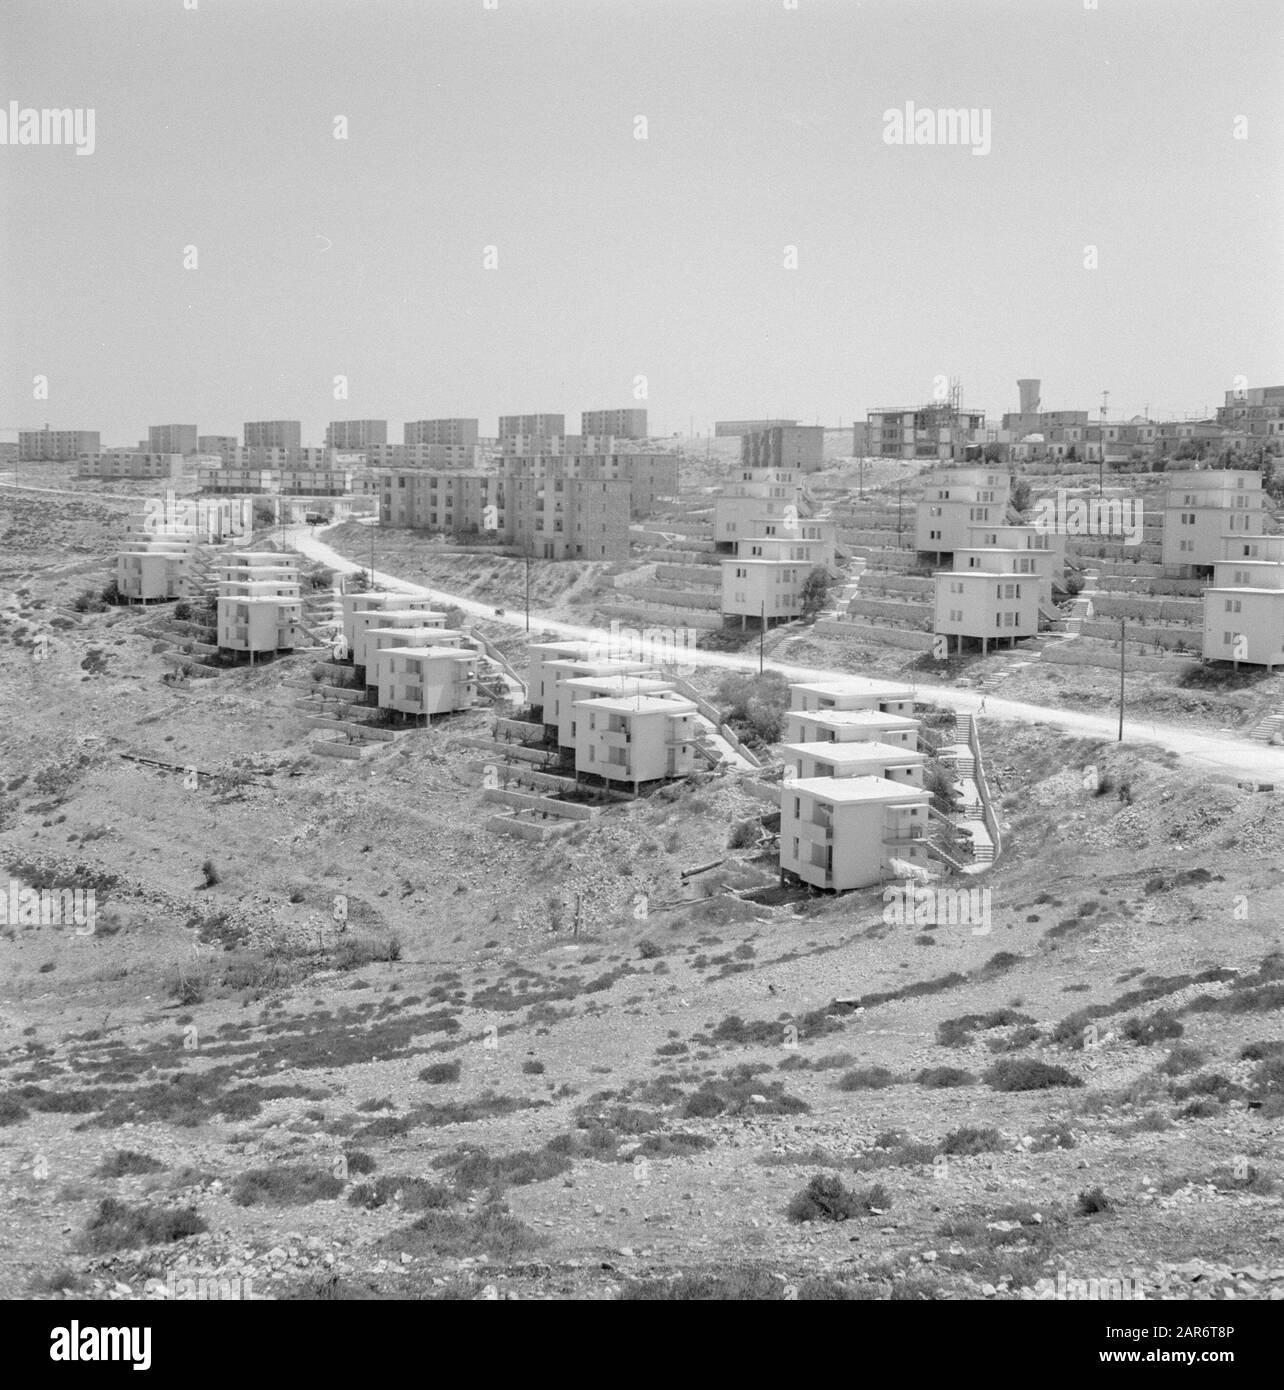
<point>514,127</point>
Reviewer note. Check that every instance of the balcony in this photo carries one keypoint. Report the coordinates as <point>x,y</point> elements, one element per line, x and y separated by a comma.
<point>615,738</point>
<point>824,833</point>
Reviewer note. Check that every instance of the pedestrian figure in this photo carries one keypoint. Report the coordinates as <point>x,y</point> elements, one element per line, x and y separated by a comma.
<point>982,704</point>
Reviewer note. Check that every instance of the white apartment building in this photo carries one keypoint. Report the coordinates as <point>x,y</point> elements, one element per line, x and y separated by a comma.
<point>635,740</point>
<point>379,640</point>
<point>989,599</point>
<point>572,692</point>
<point>367,620</point>
<point>540,681</point>
<point>757,496</point>
<point>851,726</point>
<point>766,576</point>
<point>892,761</point>
<point>374,600</point>
<point>1237,546</point>
<point>954,501</point>
<point>841,833</point>
<point>1201,508</point>
<point>1244,612</point>
<point>852,693</point>
<point>256,625</point>
<point>1013,536</point>
<point>558,671</point>
<point>155,568</point>
<point>171,439</point>
<point>427,680</point>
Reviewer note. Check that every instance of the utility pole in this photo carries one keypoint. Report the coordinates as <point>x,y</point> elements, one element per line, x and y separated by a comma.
<point>900,488</point>
<point>528,593</point>
<point>762,635</point>
<point>1122,629</point>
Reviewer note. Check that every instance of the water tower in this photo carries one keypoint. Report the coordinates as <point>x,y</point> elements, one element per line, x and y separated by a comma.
<point>1029,389</point>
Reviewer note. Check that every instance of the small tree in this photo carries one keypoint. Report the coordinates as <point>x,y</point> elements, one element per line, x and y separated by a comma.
<point>815,591</point>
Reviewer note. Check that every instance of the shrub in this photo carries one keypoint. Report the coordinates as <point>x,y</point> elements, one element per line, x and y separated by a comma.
<point>866,1079</point>
<point>826,1198</point>
<point>967,1140</point>
<point>934,1078</point>
<point>1027,1074</point>
<point>648,950</point>
<point>125,1162</point>
<point>359,1161</point>
<point>115,1226</point>
<point>436,1073</point>
<point>12,1111</point>
<point>209,873</point>
<point>1092,1202</point>
<point>284,1186</point>
<point>1144,1031</point>
<point>533,1068</point>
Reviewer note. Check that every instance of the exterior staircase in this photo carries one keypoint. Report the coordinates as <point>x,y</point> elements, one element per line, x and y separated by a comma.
<point>1266,729</point>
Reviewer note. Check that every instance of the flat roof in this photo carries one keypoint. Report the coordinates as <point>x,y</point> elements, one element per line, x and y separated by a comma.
<point>857,685</point>
<point>382,615</point>
<point>857,752</point>
<point>873,717</point>
<point>622,683</point>
<point>646,704</point>
<point>852,789</point>
<point>443,652</point>
<point>1241,589</point>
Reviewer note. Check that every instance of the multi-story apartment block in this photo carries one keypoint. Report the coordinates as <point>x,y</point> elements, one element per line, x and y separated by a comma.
<point>623,424</point>
<point>257,625</point>
<point>956,500</point>
<point>459,433</point>
<point>728,428</point>
<point>544,671</point>
<point>321,482</point>
<point>800,448</point>
<point>842,833</point>
<point>988,599</point>
<point>430,456</point>
<point>452,501</point>
<point>1244,611</point>
<point>766,577</point>
<point>567,518</point>
<point>377,640</point>
<point>1047,539</point>
<point>851,726</point>
<point>172,439</point>
<point>572,691</point>
<point>552,425</point>
<point>990,559</point>
<point>410,613</point>
<point>1257,412</point>
<point>427,680</point>
<point>651,477</point>
<point>755,497</point>
<point>850,693</point>
<point>261,622</point>
<point>215,443</point>
<point>557,697</point>
<point>272,434</point>
<point>378,601</point>
<point>1201,508</point>
<point>355,434</point>
<point>158,567</point>
<point>639,739</point>
<point>119,464</point>
<point>897,764</point>
<point>56,446</point>
<point>936,431</point>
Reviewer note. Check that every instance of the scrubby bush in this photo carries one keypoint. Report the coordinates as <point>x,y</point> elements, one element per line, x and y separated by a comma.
<point>437,1073</point>
<point>1027,1074</point>
<point>866,1079</point>
<point>826,1198</point>
<point>935,1078</point>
